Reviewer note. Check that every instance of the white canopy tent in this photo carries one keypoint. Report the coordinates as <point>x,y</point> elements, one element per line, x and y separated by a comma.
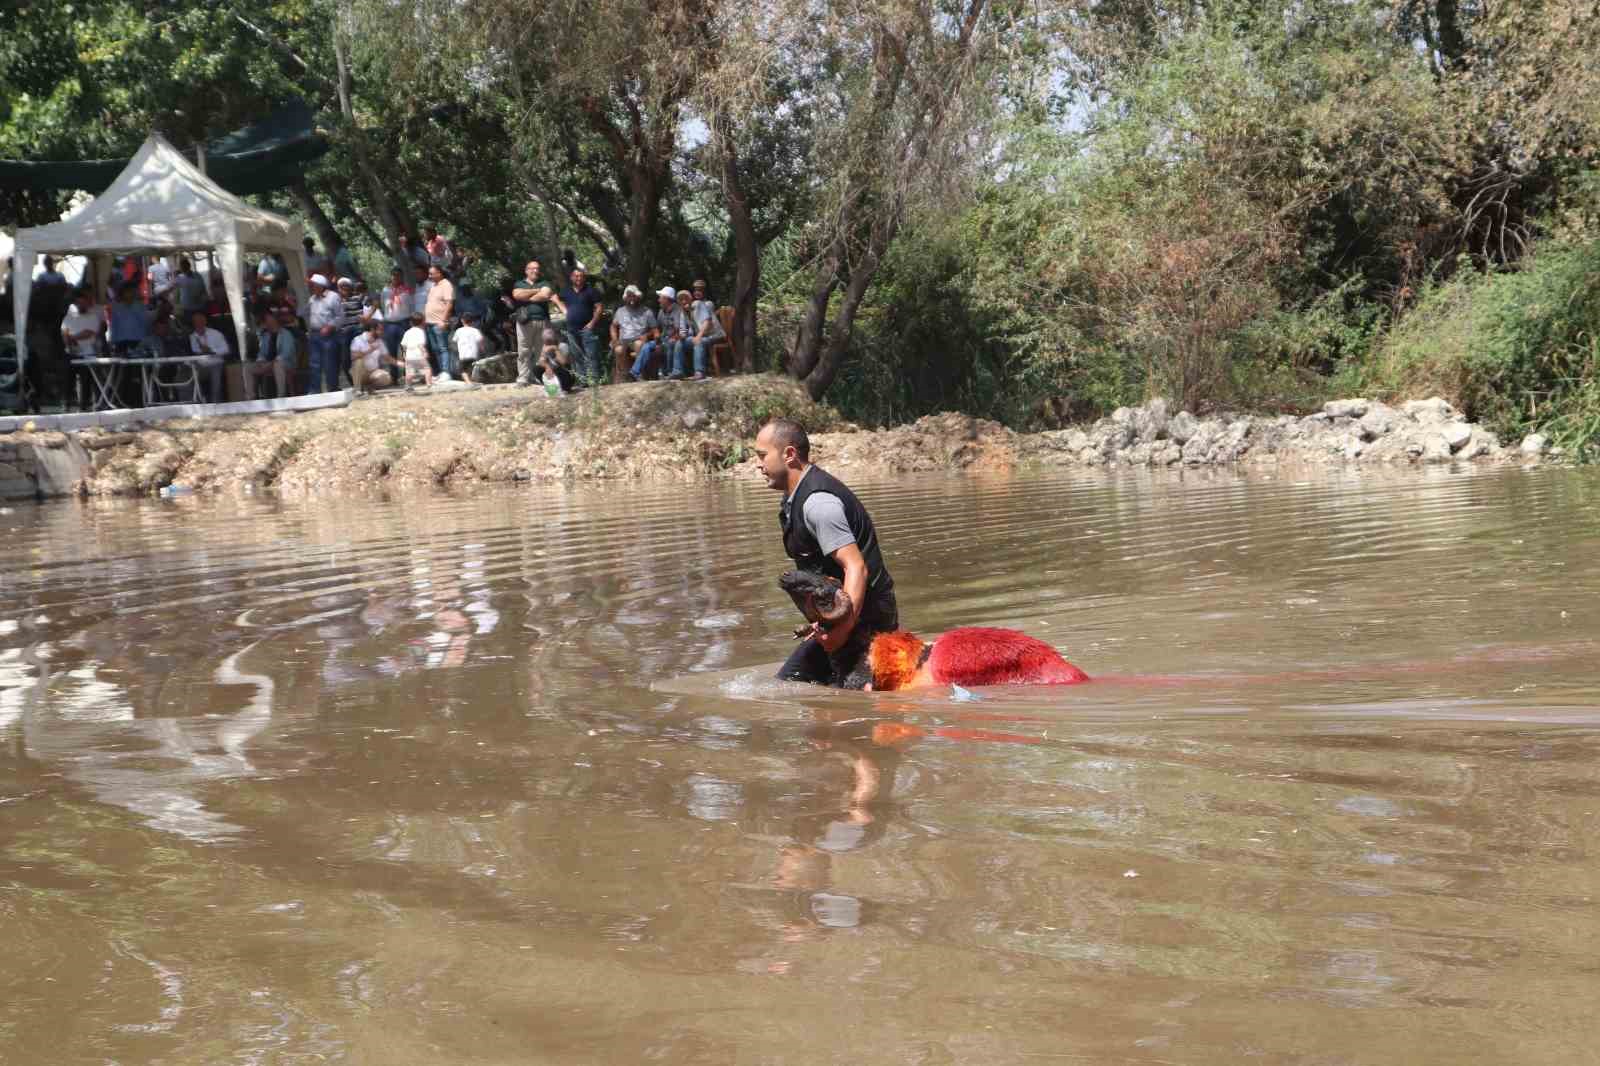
<point>161,203</point>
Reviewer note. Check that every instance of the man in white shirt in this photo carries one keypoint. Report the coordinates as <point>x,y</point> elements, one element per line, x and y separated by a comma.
<point>80,329</point>
<point>368,356</point>
<point>160,282</point>
<point>212,347</point>
<point>82,324</point>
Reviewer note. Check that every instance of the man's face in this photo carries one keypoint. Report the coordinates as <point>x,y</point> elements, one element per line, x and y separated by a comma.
<point>317,290</point>
<point>683,300</point>
<point>578,278</point>
<point>531,271</point>
<point>666,302</point>
<point>770,461</point>
<point>435,275</point>
<point>631,299</point>
<point>397,278</point>
<point>199,321</point>
<point>699,290</point>
<point>422,274</point>
<point>82,301</point>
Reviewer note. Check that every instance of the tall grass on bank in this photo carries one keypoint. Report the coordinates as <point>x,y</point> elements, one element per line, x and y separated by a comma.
<point>1516,349</point>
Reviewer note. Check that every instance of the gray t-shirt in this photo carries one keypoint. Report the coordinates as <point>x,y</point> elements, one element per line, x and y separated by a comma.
<point>824,518</point>
<point>633,322</point>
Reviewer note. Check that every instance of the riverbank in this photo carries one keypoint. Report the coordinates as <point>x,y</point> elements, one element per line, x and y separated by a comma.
<point>685,432</point>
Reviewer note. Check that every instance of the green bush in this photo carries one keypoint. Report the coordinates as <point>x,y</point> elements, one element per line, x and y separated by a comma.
<point>1515,349</point>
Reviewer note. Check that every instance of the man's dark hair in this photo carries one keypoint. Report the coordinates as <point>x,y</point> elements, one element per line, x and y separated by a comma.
<point>786,432</point>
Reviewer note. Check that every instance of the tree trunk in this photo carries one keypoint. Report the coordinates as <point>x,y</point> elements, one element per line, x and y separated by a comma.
<point>646,190</point>
<point>345,209</point>
<point>358,147</point>
<point>326,233</point>
<point>747,257</point>
<point>808,339</point>
<point>827,367</point>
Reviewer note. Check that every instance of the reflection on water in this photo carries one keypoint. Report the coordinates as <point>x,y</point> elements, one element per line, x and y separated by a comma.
<point>507,779</point>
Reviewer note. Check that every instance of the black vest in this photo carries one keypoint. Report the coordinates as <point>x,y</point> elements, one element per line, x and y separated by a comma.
<point>803,548</point>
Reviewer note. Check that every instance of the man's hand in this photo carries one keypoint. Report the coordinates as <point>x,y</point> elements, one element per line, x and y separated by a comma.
<point>834,637</point>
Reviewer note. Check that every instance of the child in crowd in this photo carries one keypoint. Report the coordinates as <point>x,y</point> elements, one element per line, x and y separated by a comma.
<point>557,365</point>
<point>414,348</point>
<point>468,340</point>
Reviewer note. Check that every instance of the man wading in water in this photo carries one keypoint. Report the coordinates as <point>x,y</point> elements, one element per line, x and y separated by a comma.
<point>827,531</point>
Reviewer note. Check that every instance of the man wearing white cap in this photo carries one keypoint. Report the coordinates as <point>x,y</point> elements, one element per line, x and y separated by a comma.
<point>632,327</point>
<point>661,348</point>
<point>324,316</point>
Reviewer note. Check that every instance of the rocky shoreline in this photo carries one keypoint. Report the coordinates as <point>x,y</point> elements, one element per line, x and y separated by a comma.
<point>1344,431</point>
<point>665,431</point>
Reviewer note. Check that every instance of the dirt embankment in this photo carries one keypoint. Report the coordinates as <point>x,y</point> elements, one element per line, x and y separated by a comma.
<point>668,431</point>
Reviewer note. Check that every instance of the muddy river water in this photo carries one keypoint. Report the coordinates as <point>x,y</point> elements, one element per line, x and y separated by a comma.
<point>503,779</point>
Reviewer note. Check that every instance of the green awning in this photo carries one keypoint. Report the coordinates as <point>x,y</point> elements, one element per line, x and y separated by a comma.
<point>259,158</point>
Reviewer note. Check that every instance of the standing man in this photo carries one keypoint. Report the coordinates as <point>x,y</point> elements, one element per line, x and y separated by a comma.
<point>269,270</point>
<point>350,324</point>
<point>397,309</point>
<point>533,298</point>
<point>80,329</point>
<point>632,328</point>
<point>190,288</point>
<point>436,314</point>
<point>827,531</point>
<point>323,320</point>
<point>162,281</point>
<point>584,309</point>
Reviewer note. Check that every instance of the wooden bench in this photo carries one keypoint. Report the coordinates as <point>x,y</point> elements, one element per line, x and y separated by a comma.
<point>724,347</point>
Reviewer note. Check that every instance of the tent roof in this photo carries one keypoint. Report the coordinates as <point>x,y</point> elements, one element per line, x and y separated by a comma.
<point>160,201</point>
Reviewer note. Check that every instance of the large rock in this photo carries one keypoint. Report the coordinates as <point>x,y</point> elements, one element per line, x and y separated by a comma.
<point>1378,420</point>
<point>1435,449</point>
<point>1431,411</point>
<point>1535,444</point>
<point>1456,434</point>
<point>1150,421</point>
<point>1180,427</point>
<point>1344,408</point>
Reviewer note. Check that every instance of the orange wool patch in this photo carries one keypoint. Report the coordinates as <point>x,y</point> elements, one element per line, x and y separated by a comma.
<point>894,660</point>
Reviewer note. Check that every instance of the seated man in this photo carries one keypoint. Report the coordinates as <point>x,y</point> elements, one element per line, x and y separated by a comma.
<point>277,355</point>
<point>368,357</point>
<point>631,328</point>
<point>212,347</point>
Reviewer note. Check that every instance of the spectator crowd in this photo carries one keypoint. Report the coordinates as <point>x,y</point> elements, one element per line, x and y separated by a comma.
<point>425,325</point>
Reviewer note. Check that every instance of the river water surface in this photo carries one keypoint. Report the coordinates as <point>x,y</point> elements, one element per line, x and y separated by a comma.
<point>504,780</point>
